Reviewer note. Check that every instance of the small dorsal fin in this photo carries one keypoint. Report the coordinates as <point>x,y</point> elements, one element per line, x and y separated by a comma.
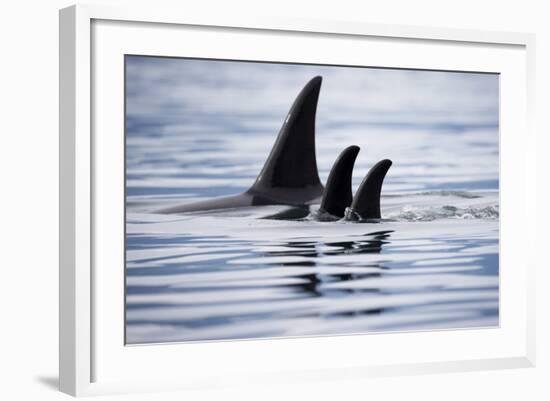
<point>366,202</point>
<point>338,196</point>
<point>290,173</point>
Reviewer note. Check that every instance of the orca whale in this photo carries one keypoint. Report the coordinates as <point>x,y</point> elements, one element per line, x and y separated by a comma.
<point>338,195</point>
<point>338,201</point>
<point>290,175</point>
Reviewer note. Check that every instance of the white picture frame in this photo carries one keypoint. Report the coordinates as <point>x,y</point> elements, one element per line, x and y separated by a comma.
<point>93,355</point>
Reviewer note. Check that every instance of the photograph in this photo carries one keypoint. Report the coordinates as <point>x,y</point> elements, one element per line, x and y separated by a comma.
<point>266,199</point>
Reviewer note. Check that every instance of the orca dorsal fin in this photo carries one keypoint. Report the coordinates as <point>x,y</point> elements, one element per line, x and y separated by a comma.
<point>366,202</point>
<point>290,172</point>
<point>338,196</point>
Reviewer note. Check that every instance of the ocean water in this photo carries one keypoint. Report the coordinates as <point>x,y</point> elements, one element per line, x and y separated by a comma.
<point>196,129</point>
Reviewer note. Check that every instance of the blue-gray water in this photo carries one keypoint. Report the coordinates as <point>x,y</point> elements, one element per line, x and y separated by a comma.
<point>198,129</point>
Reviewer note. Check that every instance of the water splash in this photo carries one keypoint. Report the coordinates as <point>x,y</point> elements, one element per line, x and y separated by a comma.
<point>414,213</point>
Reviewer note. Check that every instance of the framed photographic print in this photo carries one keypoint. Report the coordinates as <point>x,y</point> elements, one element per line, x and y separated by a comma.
<point>284,200</point>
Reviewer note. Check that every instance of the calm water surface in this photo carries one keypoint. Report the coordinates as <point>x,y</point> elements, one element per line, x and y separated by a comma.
<point>431,263</point>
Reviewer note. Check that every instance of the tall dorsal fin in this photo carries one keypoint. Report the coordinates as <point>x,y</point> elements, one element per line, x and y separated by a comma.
<point>290,173</point>
<point>338,196</point>
<point>366,202</point>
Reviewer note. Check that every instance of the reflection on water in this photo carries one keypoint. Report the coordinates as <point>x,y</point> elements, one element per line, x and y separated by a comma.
<point>275,271</point>
<point>290,278</point>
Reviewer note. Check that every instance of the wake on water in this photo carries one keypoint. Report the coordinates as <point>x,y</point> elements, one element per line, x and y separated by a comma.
<point>425,206</point>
